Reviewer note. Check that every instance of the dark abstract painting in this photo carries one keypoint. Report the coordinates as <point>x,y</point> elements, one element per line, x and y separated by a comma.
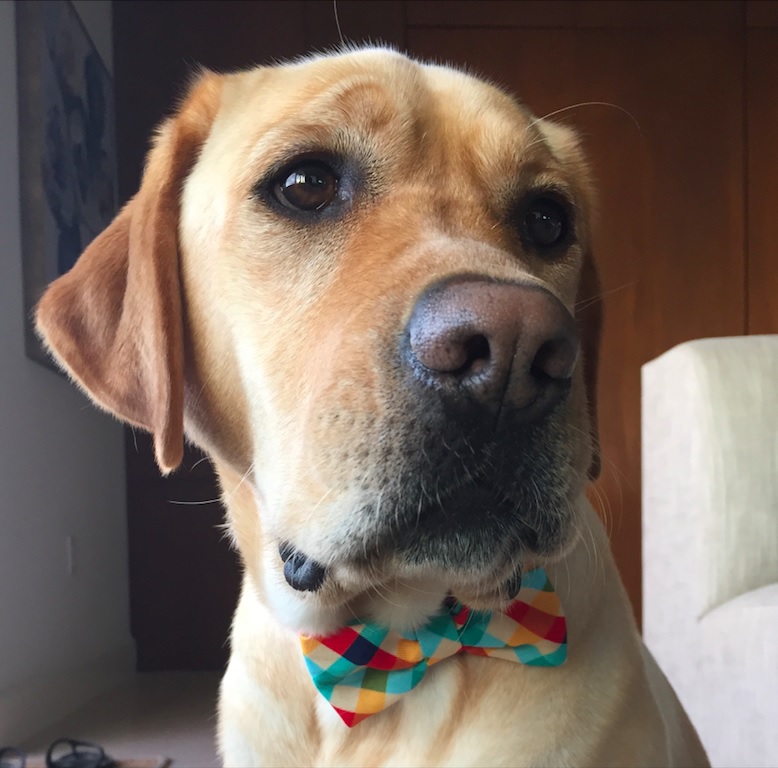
<point>67,145</point>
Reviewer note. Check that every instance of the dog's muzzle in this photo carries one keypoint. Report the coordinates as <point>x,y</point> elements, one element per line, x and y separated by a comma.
<point>484,363</point>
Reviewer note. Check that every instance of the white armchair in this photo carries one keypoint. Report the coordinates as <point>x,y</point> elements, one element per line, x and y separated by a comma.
<point>710,539</point>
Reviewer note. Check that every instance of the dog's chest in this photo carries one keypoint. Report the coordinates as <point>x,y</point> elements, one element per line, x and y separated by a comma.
<point>466,711</point>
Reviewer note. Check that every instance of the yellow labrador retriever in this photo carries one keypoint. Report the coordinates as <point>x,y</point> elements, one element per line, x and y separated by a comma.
<point>353,280</point>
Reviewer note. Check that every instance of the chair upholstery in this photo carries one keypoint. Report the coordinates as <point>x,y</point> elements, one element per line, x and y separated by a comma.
<point>710,538</point>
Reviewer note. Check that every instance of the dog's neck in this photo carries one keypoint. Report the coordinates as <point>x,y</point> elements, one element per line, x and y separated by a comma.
<point>586,576</point>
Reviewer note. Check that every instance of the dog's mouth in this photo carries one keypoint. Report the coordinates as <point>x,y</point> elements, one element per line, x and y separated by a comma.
<point>476,539</point>
<point>304,574</point>
<point>474,524</point>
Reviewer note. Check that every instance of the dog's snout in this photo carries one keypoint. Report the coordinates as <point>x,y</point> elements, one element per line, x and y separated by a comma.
<point>487,342</point>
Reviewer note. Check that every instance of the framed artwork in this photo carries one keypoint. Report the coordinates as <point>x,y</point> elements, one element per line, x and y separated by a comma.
<point>67,147</point>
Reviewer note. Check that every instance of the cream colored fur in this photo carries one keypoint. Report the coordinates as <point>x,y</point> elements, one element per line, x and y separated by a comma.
<point>205,309</point>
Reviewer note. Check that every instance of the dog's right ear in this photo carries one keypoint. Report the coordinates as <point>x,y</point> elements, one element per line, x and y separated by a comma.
<point>114,322</point>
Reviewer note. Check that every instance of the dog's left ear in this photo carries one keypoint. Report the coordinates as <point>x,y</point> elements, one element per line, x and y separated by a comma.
<point>589,316</point>
<point>114,322</point>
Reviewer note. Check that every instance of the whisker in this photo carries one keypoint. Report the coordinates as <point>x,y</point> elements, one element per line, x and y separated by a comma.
<point>194,503</point>
<point>590,104</point>
<point>337,22</point>
<point>240,482</point>
<point>198,462</point>
<point>411,588</point>
<point>383,597</point>
<point>584,303</point>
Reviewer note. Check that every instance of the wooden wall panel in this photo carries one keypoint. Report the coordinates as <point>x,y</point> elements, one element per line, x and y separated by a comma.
<point>670,236</point>
<point>379,21</point>
<point>762,105</point>
<point>184,576</point>
<point>762,13</point>
<point>575,14</point>
<point>159,45</point>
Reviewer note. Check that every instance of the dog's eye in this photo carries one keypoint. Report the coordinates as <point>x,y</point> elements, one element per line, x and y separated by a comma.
<point>545,223</point>
<point>308,186</point>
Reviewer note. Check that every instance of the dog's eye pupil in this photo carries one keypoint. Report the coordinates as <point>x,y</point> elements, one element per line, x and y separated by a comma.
<point>545,223</point>
<point>309,186</point>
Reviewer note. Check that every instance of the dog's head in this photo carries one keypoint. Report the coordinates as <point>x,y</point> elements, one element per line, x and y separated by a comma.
<point>353,280</point>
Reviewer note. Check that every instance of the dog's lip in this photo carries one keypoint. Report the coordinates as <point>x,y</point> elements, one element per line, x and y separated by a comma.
<point>301,572</point>
<point>512,586</point>
<point>340,584</point>
<point>496,579</point>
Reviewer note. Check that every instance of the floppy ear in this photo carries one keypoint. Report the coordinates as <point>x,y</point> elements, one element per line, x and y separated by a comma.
<point>114,322</point>
<point>589,316</point>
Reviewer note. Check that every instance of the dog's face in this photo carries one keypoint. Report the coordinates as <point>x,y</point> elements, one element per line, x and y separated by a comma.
<point>379,263</point>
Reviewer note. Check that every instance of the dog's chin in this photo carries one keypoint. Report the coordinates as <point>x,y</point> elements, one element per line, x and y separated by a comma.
<point>400,593</point>
<point>401,577</point>
<point>403,602</point>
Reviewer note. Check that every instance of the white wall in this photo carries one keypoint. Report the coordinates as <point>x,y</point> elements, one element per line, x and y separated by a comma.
<point>63,638</point>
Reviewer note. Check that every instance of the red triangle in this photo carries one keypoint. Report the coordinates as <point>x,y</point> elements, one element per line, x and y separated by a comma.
<point>557,632</point>
<point>340,641</point>
<point>349,718</point>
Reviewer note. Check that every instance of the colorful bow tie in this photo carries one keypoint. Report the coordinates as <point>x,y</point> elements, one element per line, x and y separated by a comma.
<point>364,668</point>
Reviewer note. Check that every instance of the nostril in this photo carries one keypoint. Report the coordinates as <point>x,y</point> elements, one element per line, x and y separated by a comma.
<point>477,354</point>
<point>449,350</point>
<point>556,358</point>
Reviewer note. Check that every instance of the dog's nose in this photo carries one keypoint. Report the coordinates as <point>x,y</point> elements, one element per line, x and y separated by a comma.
<point>492,343</point>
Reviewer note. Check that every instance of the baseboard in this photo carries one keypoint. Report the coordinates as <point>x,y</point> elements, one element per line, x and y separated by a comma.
<point>31,706</point>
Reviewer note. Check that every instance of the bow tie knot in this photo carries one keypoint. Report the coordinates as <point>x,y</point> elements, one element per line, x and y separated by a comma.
<point>365,668</point>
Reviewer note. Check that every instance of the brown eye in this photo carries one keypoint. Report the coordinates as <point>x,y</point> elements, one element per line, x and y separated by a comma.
<point>546,224</point>
<point>309,186</point>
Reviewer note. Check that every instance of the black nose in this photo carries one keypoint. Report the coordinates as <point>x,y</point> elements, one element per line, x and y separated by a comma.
<point>491,343</point>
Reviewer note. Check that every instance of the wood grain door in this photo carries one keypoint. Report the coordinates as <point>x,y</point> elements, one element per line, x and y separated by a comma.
<point>762,150</point>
